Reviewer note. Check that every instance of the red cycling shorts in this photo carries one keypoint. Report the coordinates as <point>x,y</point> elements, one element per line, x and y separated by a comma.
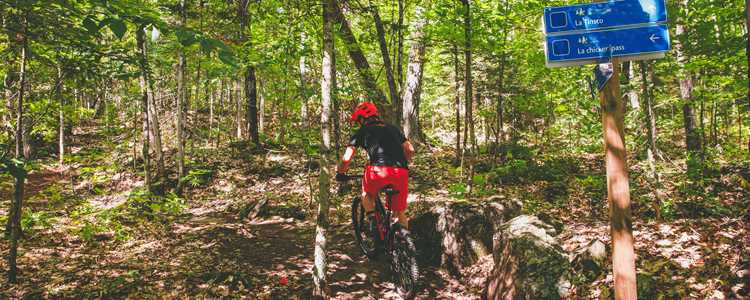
<point>377,177</point>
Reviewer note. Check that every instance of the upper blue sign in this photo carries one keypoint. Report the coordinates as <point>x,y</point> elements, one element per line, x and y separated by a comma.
<point>607,43</point>
<point>596,16</point>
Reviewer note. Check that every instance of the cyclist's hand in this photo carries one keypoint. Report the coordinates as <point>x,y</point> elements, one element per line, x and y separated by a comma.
<point>341,177</point>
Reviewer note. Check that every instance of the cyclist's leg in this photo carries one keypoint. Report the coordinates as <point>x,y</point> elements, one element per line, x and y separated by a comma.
<point>402,219</point>
<point>371,185</point>
<point>400,180</point>
<point>368,201</point>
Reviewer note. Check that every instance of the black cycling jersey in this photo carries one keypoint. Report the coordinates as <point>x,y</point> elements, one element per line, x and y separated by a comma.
<point>382,143</point>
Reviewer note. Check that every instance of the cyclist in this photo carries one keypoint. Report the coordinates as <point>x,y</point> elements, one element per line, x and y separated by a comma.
<point>389,154</point>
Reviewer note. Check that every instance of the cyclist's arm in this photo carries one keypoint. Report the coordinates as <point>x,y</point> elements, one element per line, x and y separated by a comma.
<point>408,150</point>
<point>346,159</point>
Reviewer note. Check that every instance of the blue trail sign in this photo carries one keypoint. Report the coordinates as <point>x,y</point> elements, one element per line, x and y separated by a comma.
<point>603,15</point>
<point>591,47</point>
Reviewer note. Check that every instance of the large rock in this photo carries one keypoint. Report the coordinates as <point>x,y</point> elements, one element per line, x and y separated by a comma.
<point>455,235</point>
<point>591,260</point>
<point>529,262</point>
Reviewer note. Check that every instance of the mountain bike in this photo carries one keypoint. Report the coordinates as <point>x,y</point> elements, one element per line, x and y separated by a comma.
<point>390,239</point>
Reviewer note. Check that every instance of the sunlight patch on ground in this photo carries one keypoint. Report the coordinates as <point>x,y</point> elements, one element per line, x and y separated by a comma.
<point>108,201</point>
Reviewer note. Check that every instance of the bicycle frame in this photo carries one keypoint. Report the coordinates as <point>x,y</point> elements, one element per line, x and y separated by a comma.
<point>384,223</point>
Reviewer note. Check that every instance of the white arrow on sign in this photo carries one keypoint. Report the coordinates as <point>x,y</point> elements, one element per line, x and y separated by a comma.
<point>653,38</point>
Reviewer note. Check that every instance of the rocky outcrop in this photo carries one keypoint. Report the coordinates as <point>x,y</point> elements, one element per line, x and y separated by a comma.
<point>455,235</point>
<point>529,262</point>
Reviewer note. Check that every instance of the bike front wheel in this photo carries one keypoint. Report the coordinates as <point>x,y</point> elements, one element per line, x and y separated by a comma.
<point>404,266</point>
<point>362,234</point>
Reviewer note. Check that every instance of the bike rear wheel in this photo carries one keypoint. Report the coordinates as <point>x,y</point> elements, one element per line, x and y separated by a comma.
<point>361,226</point>
<point>404,265</point>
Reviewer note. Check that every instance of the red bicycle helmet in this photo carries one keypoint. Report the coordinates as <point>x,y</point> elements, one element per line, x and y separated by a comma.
<point>364,110</point>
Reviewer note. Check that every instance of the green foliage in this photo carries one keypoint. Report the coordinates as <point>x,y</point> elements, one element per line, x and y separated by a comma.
<point>593,186</point>
<point>142,202</point>
<point>458,190</point>
<point>31,221</point>
<point>198,177</point>
<point>92,224</point>
<point>513,171</point>
<point>14,167</point>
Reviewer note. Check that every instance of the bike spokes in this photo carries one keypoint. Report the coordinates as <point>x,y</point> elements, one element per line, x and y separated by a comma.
<point>405,263</point>
<point>362,232</point>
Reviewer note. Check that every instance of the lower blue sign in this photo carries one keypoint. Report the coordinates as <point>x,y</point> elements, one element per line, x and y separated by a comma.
<point>588,46</point>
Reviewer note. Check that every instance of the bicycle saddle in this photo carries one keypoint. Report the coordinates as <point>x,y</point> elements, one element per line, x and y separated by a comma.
<point>389,190</point>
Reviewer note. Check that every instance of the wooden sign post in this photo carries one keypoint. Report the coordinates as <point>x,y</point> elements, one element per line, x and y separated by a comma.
<point>618,186</point>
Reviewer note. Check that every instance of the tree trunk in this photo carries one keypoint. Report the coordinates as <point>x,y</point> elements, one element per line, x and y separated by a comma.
<point>359,59</point>
<point>152,112</point>
<point>261,107</point>
<point>618,188</point>
<point>469,98</point>
<point>457,102</point>
<point>9,82</point>
<point>181,98</point>
<point>747,49</point>
<point>415,69</point>
<point>143,65</point>
<point>336,106</point>
<point>714,128</point>
<point>747,54</point>
<point>251,91</point>
<point>302,85</point>
<point>692,139</point>
<point>61,118</point>
<point>155,129</point>
<point>500,133</point>
<point>327,87</point>
<point>14,220</point>
<point>211,101</point>
<point>647,68</point>
<point>392,88</point>
<point>238,105</point>
<point>468,80</point>
<point>400,46</point>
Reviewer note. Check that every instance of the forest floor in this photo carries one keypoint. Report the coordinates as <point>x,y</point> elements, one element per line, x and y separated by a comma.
<point>91,232</point>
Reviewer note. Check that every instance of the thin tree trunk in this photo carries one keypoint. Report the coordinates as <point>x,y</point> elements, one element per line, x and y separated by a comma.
<point>61,118</point>
<point>320,289</point>
<point>714,129</point>
<point>251,91</point>
<point>400,47</point>
<point>14,219</point>
<point>155,130</point>
<point>692,140</point>
<point>415,69</point>
<point>336,106</point>
<point>9,82</point>
<point>469,90</point>
<point>469,96</point>
<point>358,58</point>
<point>238,101</point>
<point>500,133</point>
<point>650,133</point>
<point>457,102</point>
<point>143,64</point>
<point>261,107</point>
<point>181,98</point>
<point>747,49</point>
<point>747,54</point>
<point>211,101</point>
<point>392,88</point>
<point>302,85</point>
